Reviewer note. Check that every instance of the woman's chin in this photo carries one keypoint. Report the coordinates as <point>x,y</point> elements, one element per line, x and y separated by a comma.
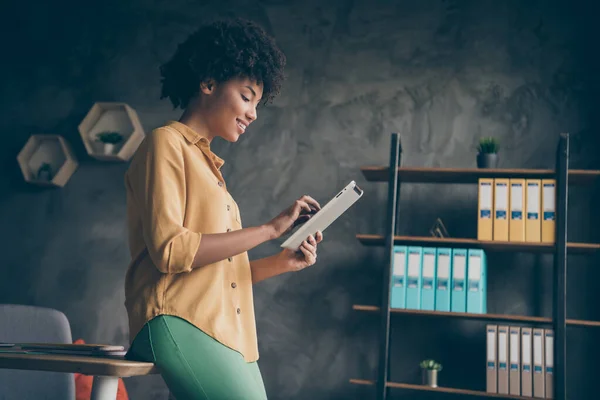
<point>233,137</point>
<point>230,137</point>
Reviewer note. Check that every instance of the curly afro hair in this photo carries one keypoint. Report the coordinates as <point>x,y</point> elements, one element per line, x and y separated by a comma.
<point>221,50</point>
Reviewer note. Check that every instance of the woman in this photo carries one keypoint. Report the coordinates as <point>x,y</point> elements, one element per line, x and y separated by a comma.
<point>189,287</point>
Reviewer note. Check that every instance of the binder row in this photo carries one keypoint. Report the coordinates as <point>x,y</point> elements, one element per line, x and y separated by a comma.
<point>439,279</point>
<point>520,361</point>
<point>517,210</point>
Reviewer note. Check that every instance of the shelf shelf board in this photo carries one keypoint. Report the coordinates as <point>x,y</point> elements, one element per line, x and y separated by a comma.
<point>471,175</point>
<point>467,392</point>
<point>484,317</point>
<point>580,322</point>
<point>494,317</point>
<point>572,247</point>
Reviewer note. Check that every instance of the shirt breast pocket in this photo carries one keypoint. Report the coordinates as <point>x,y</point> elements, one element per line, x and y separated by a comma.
<point>236,215</point>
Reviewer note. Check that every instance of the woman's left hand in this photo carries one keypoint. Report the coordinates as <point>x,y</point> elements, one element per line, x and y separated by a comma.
<point>304,257</point>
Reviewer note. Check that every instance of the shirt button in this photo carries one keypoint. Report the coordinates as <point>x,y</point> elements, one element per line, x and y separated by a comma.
<point>228,208</point>
<point>228,229</point>
<point>233,285</point>
<point>230,259</point>
<point>220,184</point>
<point>239,311</point>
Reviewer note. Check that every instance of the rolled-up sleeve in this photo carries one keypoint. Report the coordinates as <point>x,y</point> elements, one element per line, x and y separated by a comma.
<point>161,197</point>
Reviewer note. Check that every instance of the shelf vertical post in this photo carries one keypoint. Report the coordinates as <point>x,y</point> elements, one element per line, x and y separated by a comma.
<point>560,270</point>
<point>398,185</point>
<point>392,204</point>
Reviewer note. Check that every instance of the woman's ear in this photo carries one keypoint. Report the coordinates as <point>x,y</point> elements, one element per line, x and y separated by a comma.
<point>207,87</point>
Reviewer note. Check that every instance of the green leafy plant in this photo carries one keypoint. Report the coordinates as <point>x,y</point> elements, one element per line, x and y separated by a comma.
<point>431,364</point>
<point>45,171</point>
<point>488,145</point>
<point>109,137</point>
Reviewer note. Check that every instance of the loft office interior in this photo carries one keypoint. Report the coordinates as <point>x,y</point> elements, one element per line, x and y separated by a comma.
<point>466,270</point>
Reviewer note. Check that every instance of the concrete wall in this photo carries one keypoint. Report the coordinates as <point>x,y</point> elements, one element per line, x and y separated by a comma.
<point>441,73</point>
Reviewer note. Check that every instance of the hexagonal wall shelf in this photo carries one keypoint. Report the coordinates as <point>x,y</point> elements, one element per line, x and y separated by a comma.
<point>47,160</point>
<point>111,131</point>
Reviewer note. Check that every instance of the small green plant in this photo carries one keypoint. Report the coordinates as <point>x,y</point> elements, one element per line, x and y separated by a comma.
<point>431,364</point>
<point>488,145</point>
<point>44,172</point>
<point>109,137</point>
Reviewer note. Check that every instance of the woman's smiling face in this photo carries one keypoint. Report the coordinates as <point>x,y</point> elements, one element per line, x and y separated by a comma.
<point>230,107</point>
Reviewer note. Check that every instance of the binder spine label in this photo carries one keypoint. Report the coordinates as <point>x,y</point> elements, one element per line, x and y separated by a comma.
<point>412,282</point>
<point>491,365</point>
<point>549,370</point>
<point>427,283</point>
<point>473,285</point>
<point>486,200</point>
<point>501,201</point>
<point>537,369</point>
<point>516,215</point>
<point>514,367</point>
<point>459,284</point>
<point>527,368</point>
<point>398,281</point>
<point>502,366</point>
<point>442,284</point>
<point>549,201</point>
<point>532,215</point>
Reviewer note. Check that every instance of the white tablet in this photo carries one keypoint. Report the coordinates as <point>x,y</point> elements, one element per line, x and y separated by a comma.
<point>325,216</point>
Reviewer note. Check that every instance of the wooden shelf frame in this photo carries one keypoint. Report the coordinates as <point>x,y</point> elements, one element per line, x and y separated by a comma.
<point>394,174</point>
<point>439,389</point>
<point>47,160</point>
<point>471,175</point>
<point>111,117</point>
<point>537,247</point>
<point>482,317</point>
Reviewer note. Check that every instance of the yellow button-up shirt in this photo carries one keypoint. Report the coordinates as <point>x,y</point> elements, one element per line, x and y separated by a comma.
<point>175,193</point>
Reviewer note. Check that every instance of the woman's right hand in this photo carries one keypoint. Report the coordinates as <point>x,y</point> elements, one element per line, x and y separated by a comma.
<point>299,212</point>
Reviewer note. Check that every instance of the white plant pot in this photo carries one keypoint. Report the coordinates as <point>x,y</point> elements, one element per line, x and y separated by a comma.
<point>430,377</point>
<point>109,148</point>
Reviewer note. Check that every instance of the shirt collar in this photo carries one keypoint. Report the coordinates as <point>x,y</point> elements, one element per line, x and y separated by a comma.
<point>196,139</point>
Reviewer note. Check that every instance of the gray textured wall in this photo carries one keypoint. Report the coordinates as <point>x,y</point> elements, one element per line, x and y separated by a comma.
<point>442,73</point>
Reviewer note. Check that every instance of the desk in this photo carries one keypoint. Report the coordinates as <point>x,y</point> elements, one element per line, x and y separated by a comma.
<point>106,371</point>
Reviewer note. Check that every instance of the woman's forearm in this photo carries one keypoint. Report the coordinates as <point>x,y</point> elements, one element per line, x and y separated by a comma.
<point>265,268</point>
<point>220,246</point>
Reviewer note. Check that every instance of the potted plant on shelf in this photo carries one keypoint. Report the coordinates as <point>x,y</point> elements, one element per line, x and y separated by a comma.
<point>429,371</point>
<point>487,156</point>
<point>44,172</point>
<point>110,139</point>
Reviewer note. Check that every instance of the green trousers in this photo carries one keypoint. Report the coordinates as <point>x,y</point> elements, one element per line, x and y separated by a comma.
<point>193,364</point>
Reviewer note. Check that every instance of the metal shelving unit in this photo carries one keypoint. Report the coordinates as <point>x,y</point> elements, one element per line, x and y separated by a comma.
<point>394,174</point>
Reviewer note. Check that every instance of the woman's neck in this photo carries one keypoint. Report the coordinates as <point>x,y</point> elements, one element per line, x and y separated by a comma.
<point>195,121</point>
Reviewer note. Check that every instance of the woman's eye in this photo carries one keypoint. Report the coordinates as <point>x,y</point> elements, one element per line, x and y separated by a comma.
<point>245,98</point>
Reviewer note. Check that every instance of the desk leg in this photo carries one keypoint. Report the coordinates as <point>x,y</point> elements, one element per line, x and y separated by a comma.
<point>105,388</point>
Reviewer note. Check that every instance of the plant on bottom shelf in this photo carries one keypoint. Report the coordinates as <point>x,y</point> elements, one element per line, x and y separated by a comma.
<point>109,139</point>
<point>487,152</point>
<point>430,370</point>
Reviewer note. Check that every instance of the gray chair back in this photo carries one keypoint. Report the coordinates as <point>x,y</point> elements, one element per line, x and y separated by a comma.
<point>20,324</point>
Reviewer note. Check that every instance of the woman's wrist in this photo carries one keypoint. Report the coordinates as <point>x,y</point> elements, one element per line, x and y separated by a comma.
<point>268,232</point>
<point>268,267</point>
<point>281,263</point>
